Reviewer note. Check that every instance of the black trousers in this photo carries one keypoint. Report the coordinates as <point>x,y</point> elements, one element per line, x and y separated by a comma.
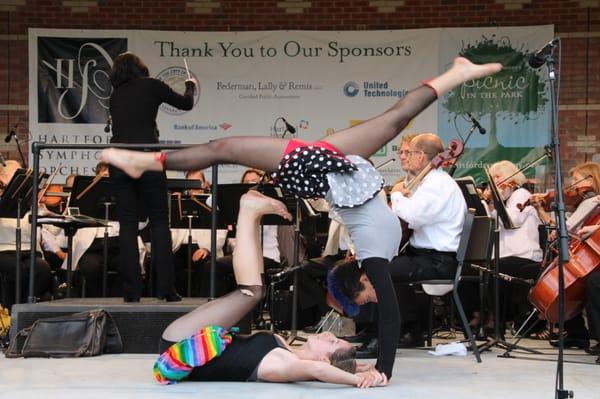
<point>44,281</point>
<point>138,197</point>
<point>91,266</point>
<point>200,272</point>
<point>416,265</point>
<point>592,289</point>
<point>513,296</point>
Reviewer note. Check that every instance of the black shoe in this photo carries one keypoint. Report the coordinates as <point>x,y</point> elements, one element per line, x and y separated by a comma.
<point>174,297</point>
<point>368,350</point>
<point>131,299</point>
<point>594,350</point>
<point>576,343</point>
<point>409,340</point>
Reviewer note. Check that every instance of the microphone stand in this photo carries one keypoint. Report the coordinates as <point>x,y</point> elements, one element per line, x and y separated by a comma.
<point>453,167</point>
<point>20,151</point>
<point>563,237</point>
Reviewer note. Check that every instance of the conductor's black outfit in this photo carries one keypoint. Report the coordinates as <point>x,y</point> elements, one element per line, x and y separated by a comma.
<point>133,108</point>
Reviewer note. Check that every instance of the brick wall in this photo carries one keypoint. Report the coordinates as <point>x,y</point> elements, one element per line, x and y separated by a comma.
<point>577,22</point>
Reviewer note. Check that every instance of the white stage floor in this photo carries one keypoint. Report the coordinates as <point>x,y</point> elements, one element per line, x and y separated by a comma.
<point>416,375</point>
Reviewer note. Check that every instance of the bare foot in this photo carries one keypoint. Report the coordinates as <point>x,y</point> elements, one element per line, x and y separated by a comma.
<point>134,163</point>
<point>471,71</point>
<point>260,204</point>
<point>462,71</point>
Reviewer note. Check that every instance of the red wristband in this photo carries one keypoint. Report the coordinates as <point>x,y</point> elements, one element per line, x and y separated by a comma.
<point>161,157</point>
<point>428,84</point>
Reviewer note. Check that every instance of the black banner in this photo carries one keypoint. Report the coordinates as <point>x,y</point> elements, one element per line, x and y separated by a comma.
<point>73,78</point>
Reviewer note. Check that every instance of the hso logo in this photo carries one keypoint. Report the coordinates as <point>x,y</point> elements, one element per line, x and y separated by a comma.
<point>351,89</point>
<point>73,78</point>
<point>175,77</point>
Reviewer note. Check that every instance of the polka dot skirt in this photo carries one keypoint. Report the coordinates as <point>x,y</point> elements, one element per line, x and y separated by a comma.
<point>348,190</point>
<point>312,172</point>
<point>302,172</point>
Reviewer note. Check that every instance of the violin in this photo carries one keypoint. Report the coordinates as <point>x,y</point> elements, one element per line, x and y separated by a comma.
<point>53,196</point>
<point>572,196</point>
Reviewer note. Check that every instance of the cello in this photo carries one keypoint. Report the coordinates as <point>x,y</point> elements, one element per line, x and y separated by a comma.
<point>584,260</point>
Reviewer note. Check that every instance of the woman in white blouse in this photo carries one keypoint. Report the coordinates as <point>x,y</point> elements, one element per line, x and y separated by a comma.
<point>520,251</point>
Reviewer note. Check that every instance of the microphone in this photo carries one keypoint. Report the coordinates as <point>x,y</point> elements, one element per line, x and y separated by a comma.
<point>288,127</point>
<point>108,125</point>
<point>539,58</point>
<point>476,124</point>
<point>12,133</point>
<point>2,160</point>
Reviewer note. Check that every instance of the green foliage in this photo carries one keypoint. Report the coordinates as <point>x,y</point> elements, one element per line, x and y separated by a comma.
<point>517,92</point>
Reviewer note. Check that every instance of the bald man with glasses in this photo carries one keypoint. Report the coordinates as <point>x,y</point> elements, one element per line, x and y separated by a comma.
<point>435,211</point>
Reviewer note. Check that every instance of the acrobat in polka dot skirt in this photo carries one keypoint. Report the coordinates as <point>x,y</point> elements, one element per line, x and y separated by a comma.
<point>311,171</point>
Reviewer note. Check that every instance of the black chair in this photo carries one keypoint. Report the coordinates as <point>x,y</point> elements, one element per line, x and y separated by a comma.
<point>474,248</point>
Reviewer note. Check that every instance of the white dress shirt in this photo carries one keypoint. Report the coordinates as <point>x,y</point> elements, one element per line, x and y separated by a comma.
<point>200,237</point>
<point>524,241</point>
<point>435,212</point>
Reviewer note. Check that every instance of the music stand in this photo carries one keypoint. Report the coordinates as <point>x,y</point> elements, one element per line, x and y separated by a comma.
<point>501,216</point>
<point>15,201</point>
<point>190,212</point>
<point>182,184</point>
<point>469,192</point>
<point>229,203</point>
<point>92,196</point>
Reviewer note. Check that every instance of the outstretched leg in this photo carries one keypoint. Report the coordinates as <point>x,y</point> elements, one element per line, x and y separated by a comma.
<point>248,266</point>
<point>252,151</point>
<point>265,152</point>
<point>368,137</point>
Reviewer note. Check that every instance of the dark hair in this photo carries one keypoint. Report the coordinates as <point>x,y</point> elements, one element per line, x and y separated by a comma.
<point>343,282</point>
<point>127,66</point>
<point>257,172</point>
<point>344,359</point>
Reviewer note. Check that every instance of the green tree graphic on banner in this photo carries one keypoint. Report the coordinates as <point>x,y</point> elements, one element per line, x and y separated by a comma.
<point>514,98</point>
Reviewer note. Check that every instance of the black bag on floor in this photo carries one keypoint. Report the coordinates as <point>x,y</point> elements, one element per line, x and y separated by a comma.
<point>82,334</point>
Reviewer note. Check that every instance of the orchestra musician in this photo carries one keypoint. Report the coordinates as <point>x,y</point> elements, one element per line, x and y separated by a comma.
<point>520,251</point>
<point>585,180</point>
<point>403,155</point>
<point>200,246</point>
<point>435,212</point>
<point>44,281</point>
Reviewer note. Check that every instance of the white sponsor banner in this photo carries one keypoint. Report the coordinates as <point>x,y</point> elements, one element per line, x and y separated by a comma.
<point>317,81</point>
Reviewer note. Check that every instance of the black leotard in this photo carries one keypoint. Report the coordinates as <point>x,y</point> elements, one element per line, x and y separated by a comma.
<point>239,361</point>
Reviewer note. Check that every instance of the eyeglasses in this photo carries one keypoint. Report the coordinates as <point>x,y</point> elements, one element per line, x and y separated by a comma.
<point>414,152</point>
